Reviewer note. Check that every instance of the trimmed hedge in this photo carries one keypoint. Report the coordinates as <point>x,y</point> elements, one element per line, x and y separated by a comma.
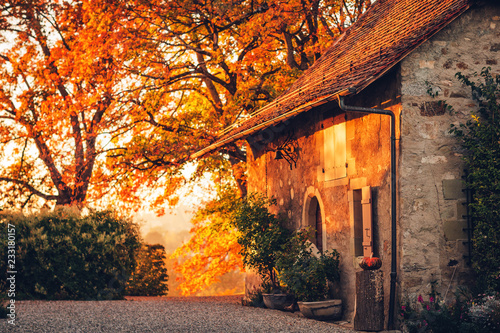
<point>63,255</point>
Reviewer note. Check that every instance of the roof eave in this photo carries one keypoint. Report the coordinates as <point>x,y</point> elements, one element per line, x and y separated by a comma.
<point>254,129</point>
<point>307,106</point>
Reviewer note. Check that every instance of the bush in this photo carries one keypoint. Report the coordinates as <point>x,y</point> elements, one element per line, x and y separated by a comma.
<point>480,137</point>
<point>261,235</point>
<point>150,276</point>
<point>63,255</point>
<point>480,314</point>
<point>3,309</point>
<point>305,274</point>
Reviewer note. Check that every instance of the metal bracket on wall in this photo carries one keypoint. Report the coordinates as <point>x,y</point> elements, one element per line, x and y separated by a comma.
<point>288,151</point>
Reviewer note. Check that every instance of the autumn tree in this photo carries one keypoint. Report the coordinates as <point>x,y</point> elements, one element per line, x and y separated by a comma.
<point>61,101</point>
<point>206,65</point>
<point>203,65</point>
<point>104,97</point>
<point>107,98</point>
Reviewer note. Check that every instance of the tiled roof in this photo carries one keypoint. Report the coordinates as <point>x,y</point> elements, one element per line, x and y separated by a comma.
<point>381,38</point>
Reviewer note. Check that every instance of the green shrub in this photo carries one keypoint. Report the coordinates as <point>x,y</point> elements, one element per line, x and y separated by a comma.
<point>261,235</point>
<point>3,309</point>
<point>480,314</point>
<point>480,137</point>
<point>63,255</point>
<point>304,273</point>
<point>150,276</point>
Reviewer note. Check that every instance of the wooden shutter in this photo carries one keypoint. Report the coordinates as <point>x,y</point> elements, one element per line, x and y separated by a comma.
<point>366,204</point>
<point>335,148</point>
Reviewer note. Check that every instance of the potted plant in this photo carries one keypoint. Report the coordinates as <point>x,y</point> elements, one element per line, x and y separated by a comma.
<point>370,263</point>
<point>306,274</point>
<point>262,236</point>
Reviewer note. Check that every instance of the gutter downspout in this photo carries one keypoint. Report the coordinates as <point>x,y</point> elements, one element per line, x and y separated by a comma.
<point>392,295</point>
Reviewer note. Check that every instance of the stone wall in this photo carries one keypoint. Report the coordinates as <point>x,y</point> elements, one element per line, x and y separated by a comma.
<point>367,164</point>
<point>431,198</point>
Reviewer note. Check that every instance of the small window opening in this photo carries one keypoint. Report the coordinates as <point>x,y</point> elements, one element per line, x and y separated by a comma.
<point>362,229</point>
<point>316,222</point>
<point>358,223</point>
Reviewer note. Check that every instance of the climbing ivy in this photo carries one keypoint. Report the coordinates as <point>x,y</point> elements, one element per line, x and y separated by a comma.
<point>480,138</point>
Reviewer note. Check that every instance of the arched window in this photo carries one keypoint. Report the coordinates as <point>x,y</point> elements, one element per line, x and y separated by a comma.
<point>315,221</point>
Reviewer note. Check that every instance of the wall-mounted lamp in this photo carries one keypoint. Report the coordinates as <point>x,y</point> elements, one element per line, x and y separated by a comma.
<point>288,151</point>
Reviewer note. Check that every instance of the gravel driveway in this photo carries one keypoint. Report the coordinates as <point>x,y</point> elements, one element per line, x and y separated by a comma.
<point>158,314</point>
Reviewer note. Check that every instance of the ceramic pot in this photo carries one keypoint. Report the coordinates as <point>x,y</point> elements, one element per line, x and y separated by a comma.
<point>278,301</point>
<point>370,263</point>
<point>322,310</point>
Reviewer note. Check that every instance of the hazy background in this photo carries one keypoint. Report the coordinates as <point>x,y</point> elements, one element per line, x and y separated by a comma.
<point>171,230</point>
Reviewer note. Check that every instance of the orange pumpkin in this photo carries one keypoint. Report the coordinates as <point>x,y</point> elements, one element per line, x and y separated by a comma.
<point>370,263</point>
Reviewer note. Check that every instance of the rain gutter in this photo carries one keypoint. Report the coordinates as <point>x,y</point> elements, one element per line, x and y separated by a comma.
<point>392,295</point>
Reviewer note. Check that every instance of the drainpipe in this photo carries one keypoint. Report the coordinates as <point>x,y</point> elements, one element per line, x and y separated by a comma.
<point>392,295</point>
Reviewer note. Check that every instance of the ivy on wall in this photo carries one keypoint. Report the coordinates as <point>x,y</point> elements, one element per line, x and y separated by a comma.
<point>480,138</point>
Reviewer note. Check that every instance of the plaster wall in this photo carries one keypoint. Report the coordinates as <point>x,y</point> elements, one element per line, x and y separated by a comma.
<point>431,197</point>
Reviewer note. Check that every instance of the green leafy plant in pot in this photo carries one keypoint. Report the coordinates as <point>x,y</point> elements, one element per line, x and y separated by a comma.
<point>306,275</point>
<point>262,236</point>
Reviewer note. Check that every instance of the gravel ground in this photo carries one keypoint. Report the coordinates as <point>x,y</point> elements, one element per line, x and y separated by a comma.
<point>158,314</point>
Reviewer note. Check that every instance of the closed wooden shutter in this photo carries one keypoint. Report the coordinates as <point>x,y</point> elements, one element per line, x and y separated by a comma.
<point>334,149</point>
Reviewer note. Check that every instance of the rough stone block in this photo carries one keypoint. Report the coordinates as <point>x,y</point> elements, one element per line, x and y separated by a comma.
<point>458,94</point>
<point>454,230</point>
<point>433,108</point>
<point>411,282</point>
<point>461,210</point>
<point>369,301</point>
<point>426,64</point>
<point>452,189</point>
<point>447,213</point>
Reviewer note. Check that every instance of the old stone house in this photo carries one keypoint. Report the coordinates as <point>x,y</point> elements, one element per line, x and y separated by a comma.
<point>372,181</point>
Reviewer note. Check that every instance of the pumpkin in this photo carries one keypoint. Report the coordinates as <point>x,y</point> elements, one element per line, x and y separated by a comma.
<point>370,263</point>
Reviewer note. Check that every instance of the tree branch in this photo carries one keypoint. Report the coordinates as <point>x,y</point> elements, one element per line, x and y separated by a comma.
<point>30,188</point>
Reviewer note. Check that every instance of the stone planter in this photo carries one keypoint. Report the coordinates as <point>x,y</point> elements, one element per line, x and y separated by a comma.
<point>322,310</point>
<point>278,301</point>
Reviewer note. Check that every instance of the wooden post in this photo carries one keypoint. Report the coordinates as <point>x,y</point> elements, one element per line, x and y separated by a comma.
<point>369,301</point>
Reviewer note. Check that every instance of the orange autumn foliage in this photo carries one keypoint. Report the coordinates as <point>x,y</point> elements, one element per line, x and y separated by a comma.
<point>212,250</point>
<point>61,69</point>
<point>103,102</point>
<point>203,66</point>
